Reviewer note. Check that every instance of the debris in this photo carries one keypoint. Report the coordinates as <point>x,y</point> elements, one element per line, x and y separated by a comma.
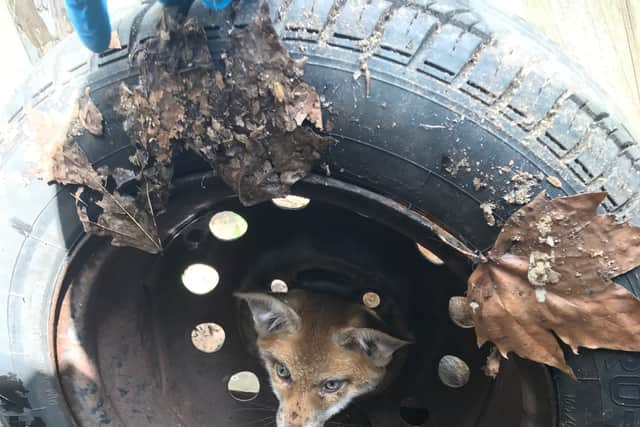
<point>479,184</point>
<point>492,367</point>
<point>123,176</point>
<point>523,183</point>
<point>474,306</point>
<point>250,129</point>
<point>555,181</point>
<point>124,219</point>
<point>89,115</point>
<point>69,165</point>
<point>527,294</point>
<point>128,221</point>
<point>487,210</point>
<point>248,122</point>
<point>540,272</point>
<point>367,78</point>
<point>462,164</point>
<point>429,255</point>
<point>427,127</point>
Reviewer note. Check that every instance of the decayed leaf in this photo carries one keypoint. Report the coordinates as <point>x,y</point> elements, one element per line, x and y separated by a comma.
<point>124,219</point>
<point>270,150</point>
<point>492,367</point>
<point>129,221</point>
<point>47,133</point>
<point>550,272</point>
<point>69,165</point>
<point>89,115</point>
<point>246,121</point>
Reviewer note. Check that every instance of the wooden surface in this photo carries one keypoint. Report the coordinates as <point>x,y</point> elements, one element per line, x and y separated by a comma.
<point>602,35</point>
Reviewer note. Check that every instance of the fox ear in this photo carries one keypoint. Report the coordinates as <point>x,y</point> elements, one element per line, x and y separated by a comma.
<point>270,315</point>
<point>376,345</point>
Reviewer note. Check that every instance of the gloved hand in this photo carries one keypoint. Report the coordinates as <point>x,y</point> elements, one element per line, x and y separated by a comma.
<point>91,21</point>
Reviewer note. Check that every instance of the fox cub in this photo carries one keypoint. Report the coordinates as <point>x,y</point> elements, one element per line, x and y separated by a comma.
<point>320,352</point>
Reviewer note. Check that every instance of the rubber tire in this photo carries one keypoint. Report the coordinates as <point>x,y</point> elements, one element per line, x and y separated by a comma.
<point>449,81</point>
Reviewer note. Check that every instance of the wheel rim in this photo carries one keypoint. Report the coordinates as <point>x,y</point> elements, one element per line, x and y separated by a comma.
<point>124,321</point>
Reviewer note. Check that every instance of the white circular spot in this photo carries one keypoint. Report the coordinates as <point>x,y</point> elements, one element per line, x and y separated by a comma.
<point>208,337</point>
<point>243,386</point>
<point>291,202</point>
<point>279,286</point>
<point>200,278</point>
<point>227,225</point>
<point>453,371</point>
<point>371,299</point>
<point>430,256</point>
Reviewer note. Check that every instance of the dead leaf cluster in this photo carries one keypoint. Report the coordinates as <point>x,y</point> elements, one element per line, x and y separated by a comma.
<point>245,118</point>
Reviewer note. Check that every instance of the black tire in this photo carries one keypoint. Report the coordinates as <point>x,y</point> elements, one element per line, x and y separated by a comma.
<point>448,82</point>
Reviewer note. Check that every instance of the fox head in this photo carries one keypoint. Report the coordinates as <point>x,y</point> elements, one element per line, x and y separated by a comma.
<point>319,352</point>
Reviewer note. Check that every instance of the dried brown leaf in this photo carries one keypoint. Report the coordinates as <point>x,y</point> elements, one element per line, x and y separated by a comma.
<point>126,220</point>
<point>70,165</point>
<point>492,367</point>
<point>89,115</point>
<point>246,121</point>
<point>550,272</point>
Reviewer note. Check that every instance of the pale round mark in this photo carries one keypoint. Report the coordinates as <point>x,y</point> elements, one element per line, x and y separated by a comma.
<point>291,202</point>
<point>371,299</point>
<point>430,256</point>
<point>243,386</point>
<point>208,337</point>
<point>459,312</point>
<point>279,286</point>
<point>200,278</point>
<point>228,225</point>
<point>453,371</point>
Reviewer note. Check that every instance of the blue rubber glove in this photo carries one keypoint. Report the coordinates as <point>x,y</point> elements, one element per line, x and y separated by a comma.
<point>90,19</point>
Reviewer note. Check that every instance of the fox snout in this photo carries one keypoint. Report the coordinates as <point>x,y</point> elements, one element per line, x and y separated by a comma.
<point>294,419</point>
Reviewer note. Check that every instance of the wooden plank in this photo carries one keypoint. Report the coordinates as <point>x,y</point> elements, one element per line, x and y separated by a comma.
<point>603,36</point>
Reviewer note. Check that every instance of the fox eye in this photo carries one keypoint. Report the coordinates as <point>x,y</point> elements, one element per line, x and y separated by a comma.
<point>282,371</point>
<point>331,386</point>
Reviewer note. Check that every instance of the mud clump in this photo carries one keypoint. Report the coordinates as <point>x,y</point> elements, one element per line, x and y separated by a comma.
<point>523,183</point>
<point>487,210</point>
<point>541,270</point>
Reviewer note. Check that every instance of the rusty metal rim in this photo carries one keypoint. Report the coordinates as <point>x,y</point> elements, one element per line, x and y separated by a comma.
<point>387,211</point>
<point>55,312</point>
